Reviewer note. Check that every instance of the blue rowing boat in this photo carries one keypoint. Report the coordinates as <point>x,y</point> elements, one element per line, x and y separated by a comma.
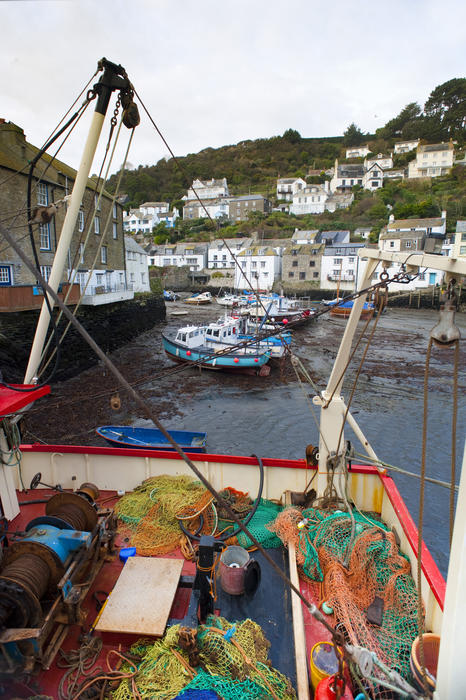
<point>151,438</point>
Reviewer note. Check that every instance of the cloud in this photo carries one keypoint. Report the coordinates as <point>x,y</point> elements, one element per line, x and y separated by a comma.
<point>216,73</point>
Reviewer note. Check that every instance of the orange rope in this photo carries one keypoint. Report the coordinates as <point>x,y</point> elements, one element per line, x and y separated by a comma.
<point>118,677</point>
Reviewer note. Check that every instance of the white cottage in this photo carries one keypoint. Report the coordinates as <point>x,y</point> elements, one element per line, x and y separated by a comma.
<point>341,268</point>
<point>432,160</point>
<point>137,266</point>
<point>221,251</point>
<point>261,265</point>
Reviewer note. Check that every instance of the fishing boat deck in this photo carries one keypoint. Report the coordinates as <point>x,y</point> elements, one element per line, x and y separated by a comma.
<point>269,606</point>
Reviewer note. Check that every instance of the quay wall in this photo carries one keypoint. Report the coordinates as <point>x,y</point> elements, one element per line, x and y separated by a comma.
<point>110,325</point>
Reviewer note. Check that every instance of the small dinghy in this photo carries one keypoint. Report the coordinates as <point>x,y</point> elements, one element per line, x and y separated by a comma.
<point>151,438</point>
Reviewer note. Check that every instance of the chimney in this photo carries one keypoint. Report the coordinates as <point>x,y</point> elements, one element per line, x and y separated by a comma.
<point>444,214</point>
<point>391,219</point>
<point>326,184</point>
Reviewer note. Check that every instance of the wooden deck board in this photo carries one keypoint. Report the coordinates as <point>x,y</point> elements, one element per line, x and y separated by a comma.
<point>142,597</point>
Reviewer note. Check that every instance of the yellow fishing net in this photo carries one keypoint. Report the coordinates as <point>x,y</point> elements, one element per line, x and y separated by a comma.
<point>148,514</point>
<point>231,659</point>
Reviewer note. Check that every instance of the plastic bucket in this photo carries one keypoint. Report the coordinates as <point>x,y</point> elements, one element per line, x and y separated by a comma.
<point>431,644</point>
<point>323,662</point>
<point>232,567</point>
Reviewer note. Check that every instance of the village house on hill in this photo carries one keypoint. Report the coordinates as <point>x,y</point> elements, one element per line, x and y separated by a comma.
<point>96,265</point>
<point>432,160</point>
<point>405,146</point>
<point>148,216</point>
<point>411,236</point>
<point>208,189</point>
<point>222,251</point>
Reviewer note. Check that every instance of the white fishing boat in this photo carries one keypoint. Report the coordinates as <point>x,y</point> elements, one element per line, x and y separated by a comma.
<point>201,298</point>
<point>355,530</point>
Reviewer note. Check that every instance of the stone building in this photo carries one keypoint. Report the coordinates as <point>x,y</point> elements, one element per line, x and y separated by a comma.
<point>96,259</point>
<point>301,264</point>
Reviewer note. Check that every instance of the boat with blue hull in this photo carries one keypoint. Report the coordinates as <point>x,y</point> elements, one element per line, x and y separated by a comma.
<point>151,438</point>
<point>217,347</point>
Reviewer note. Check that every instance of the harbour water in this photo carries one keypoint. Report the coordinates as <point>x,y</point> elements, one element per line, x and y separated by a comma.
<point>274,416</point>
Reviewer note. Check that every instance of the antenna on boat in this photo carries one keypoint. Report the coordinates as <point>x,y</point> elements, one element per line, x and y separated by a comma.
<point>114,78</point>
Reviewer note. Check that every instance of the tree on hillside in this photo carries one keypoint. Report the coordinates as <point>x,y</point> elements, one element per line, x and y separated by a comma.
<point>409,115</point>
<point>292,136</point>
<point>353,136</point>
<point>447,105</point>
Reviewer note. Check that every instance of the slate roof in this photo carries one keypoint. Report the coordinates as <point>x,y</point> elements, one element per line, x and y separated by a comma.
<point>415,223</point>
<point>437,147</point>
<point>130,244</point>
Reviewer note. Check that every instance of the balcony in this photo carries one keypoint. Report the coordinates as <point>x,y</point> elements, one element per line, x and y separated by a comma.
<point>107,294</point>
<point>29,297</point>
<point>341,278</point>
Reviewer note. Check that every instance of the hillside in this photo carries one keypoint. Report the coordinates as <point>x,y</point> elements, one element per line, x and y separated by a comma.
<point>249,166</point>
<point>253,167</point>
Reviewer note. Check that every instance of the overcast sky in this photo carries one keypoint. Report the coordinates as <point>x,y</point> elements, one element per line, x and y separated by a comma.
<point>213,73</point>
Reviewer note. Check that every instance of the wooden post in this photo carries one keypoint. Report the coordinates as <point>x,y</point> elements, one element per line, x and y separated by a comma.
<point>302,679</point>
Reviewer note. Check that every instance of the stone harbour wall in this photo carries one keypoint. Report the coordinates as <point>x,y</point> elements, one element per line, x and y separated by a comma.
<point>110,325</point>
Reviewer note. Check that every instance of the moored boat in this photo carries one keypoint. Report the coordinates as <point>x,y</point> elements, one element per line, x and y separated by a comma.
<point>201,298</point>
<point>343,309</point>
<point>216,347</point>
<point>151,438</point>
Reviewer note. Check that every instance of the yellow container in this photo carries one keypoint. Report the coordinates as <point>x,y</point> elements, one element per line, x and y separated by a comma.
<point>323,661</point>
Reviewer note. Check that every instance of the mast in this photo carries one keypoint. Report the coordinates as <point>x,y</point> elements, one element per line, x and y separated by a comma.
<point>113,78</point>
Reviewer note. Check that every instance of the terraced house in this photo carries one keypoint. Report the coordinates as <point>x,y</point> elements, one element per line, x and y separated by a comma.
<point>96,259</point>
<point>301,264</point>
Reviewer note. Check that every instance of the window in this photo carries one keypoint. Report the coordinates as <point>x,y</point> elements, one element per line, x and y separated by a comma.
<point>96,225</point>
<point>143,277</point>
<point>80,221</point>
<point>263,263</point>
<point>392,244</point>
<point>97,202</point>
<point>115,230</point>
<point>315,274</point>
<point>131,277</point>
<point>81,253</point>
<point>337,261</point>
<point>44,233</point>
<point>295,263</point>
<point>103,254</point>
<point>45,271</point>
<point>115,213</point>
<point>291,274</point>
<point>42,194</point>
<point>422,275</point>
<point>312,263</point>
<point>122,277</point>
<point>254,264</point>
<point>5,275</point>
<point>302,275</point>
<point>463,237</point>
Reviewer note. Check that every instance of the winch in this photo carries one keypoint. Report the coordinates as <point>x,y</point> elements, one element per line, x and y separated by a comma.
<point>45,574</point>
